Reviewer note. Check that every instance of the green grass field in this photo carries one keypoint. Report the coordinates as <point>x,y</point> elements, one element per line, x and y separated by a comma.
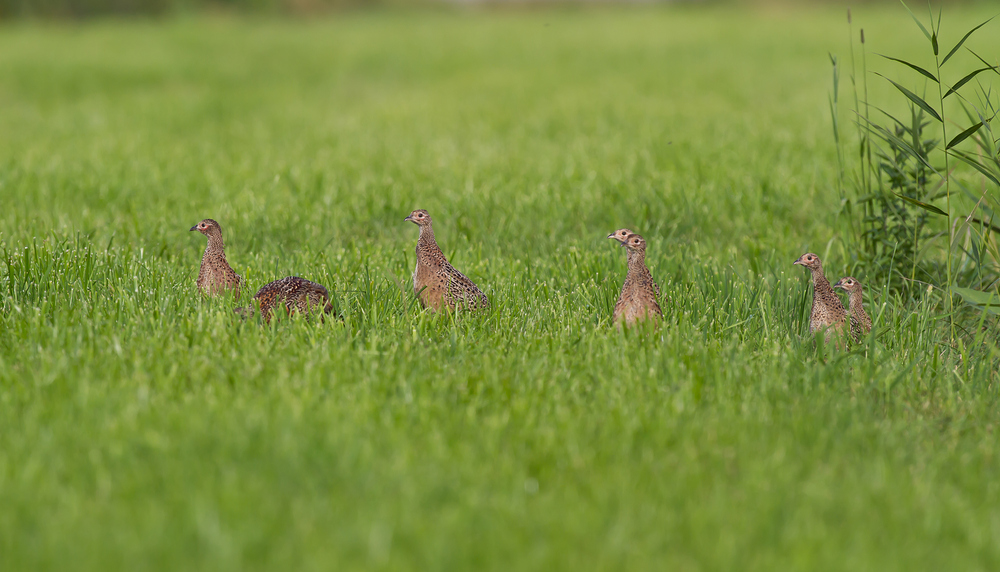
<point>144,427</point>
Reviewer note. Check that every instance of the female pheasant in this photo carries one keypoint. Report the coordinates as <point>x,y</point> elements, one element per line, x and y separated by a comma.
<point>215,275</point>
<point>621,235</point>
<point>637,300</point>
<point>827,311</point>
<point>297,294</point>
<point>861,323</point>
<point>437,283</point>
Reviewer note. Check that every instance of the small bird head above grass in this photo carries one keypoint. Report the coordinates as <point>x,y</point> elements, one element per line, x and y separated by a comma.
<point>810,261</point>
<point>848,283</point>
<point>635,243</point>
<point>620,235</point>
<point>419,217</point>
<point>208,227</point>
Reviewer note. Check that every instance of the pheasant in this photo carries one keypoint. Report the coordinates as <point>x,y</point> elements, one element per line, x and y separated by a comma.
<point>215,275</point>
<point>637,300</point>
<point>621,235</point>
<point>296,293</point>
<point>827,311</point>
<point>861,323</point>
<point>437,283</point>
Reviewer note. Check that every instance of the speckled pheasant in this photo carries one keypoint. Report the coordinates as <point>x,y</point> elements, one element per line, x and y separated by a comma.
<point>437,283</point>
<point>215,275</point>
<point>297,294</point>
<point>827,311</point>
<point>621,235</point>
<point>637,300</point>
<point>861,323</point>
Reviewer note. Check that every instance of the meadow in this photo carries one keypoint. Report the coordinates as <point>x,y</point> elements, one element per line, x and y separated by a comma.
<point>143,426</point>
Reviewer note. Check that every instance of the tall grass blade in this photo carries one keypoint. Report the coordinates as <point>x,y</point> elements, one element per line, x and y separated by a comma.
<point>977,166</point>
<point>915,19</point>
<point>914,98</point>
<point>917,68</point>
<point>985,63</point>
<point>966,80</point>
<point>980,300</point>
<point>922,205</point>
<point>962,41</point>
<point>963,135</point>
<point>892,137</point>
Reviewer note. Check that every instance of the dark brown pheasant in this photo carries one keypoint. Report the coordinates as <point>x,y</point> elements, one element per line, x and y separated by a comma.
<point>827,312</point>
<point>861,323</point>
<point>215,275</point>
<point>437,283</point>
<point>621,235</point>
<point>637,300</point>
<point>297,294</point>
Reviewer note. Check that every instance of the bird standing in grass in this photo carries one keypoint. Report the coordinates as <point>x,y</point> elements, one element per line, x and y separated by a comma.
<point>637,300</point>
<point>621,235</point>
<point>861,323</point>
<point>297,294</point>
<point>215,275</point>
<point>827,311</point>
<point>437,284</point>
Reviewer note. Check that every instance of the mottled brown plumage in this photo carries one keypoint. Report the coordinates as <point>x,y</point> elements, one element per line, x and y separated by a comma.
<point>215,275</point>
<point>297,294</point>
<point>637,300</point>
<point>827,311</point>
<point>621,235</point>
<point>437,283</point>
<point>861,323</point>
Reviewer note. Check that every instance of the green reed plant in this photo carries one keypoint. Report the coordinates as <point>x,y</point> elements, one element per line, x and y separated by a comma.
<point>903,170</point>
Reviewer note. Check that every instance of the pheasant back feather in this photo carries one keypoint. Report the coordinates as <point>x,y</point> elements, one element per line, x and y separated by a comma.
<point>297,294</point>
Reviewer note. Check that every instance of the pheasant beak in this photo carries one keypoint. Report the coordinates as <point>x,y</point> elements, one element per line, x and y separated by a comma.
<point>839,284</point>
<point>195,227</point>
<point>612,235</point>
<point>799,261</point>
<point>408,218</point>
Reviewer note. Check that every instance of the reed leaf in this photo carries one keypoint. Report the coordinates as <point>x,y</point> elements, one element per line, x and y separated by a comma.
<point>976,165</point>
<point>963,135</point>
<point>914,98</point>
<point>922,205</point>
<point>987,301</point>
<point>962,41</point>
<point>966,80</point>
<point>917,20</point>
<point>915,67</point>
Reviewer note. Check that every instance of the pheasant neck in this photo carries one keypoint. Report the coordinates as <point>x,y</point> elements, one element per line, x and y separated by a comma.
<point>426,239</point>
<point>636,261</point>
<point>215,246</point>
<point>856,300</point>
<point>819,280</point>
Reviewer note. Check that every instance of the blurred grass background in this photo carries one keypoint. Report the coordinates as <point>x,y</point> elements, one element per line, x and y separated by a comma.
<point>70,9</point>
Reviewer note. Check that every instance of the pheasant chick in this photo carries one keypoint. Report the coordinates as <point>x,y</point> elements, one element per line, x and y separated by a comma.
<point>827,312</point>
<point>861,323</point>
<point>637,300</point>
<point>621,235</point>
<point>215,275</point>
<point>437,284</point>
<point>297,294</point>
